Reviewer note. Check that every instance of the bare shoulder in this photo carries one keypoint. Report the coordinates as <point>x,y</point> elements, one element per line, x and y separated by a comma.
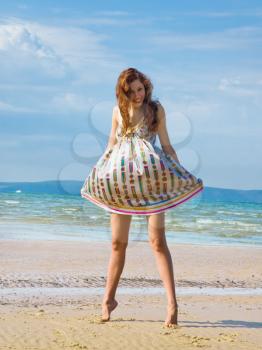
<point>162,128</point>
<point>160,111</point>
<point>115,114</point>
<point>115,109</point>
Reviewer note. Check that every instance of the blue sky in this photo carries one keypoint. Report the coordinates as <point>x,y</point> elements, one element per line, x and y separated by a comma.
<point>59,62</point>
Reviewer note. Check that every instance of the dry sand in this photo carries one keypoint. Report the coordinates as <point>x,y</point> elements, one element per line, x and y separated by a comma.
<point>40,308</point>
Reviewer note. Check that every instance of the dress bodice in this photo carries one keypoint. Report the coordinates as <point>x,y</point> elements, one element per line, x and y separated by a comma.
<point>140,130</point>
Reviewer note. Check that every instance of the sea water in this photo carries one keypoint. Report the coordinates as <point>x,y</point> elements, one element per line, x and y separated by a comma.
<point>69,217</point>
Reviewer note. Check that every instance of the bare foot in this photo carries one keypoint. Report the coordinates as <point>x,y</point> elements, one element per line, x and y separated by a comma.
<point>171,319</point>
<point>107,308</point>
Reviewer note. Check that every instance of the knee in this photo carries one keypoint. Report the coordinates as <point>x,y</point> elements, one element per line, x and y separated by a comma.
<point>119,246</point>
<point>158,244</point>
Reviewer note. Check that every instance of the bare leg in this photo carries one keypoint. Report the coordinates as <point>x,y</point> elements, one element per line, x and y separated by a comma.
<point>157,238</point>
<point>120,225</point>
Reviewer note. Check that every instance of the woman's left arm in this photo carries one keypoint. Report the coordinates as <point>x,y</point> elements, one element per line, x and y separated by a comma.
<point>163,134</point>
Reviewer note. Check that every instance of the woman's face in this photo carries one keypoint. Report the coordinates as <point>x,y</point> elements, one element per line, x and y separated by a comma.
<point>137,93</point>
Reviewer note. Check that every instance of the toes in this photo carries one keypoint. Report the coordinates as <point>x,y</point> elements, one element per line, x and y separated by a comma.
<point>171,325</point>
<point>107,309</point>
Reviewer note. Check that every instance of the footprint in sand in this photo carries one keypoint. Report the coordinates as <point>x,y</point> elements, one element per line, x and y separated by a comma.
<point>196,340</point>
<point>228,337</point>
<point>96,320</point>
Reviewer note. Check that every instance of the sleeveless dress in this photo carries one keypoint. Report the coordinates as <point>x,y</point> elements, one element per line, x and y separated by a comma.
<point>135,177</point>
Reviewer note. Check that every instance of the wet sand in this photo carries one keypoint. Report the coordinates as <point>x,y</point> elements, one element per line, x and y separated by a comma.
<point>39,309</point>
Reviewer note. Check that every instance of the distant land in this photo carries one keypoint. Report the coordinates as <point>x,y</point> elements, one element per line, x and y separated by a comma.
<point>72,187</point>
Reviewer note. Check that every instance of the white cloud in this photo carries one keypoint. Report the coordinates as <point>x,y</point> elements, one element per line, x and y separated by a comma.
<point>22,48</point>
<point>6,107</point>
<point>17,37</point>
<point>229,39</point>
<point>109,19</point>
<point>113,13</point>
<point>62,50</point>
<point>70,101</point>
<point>235,86</point>
<point>85,51</point>
<point>218,14</point>
<point>58,58</point>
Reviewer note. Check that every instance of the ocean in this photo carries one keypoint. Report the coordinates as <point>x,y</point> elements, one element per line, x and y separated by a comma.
<point>70,217</point>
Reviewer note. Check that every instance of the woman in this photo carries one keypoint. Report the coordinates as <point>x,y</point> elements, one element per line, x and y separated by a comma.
<point>135,177</point>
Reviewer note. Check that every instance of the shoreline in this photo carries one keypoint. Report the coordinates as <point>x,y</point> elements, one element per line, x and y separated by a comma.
<point>71,240</point>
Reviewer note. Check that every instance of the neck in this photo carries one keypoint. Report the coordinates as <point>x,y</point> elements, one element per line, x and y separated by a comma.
<point>137,110</point>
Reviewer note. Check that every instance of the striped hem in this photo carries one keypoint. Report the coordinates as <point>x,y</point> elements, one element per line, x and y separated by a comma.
<point>150,209</point>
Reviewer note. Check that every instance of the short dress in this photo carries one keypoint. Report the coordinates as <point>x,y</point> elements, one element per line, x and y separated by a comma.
<point>135,177</point>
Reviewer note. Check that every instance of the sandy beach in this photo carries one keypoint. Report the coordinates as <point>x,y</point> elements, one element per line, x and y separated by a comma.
<point>51,293</point>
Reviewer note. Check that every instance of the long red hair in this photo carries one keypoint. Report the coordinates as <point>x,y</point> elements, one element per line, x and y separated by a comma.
<point>125,78</point>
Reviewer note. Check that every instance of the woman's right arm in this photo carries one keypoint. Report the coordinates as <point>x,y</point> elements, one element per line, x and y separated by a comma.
<point>112,138</point>
<point>163,134</point>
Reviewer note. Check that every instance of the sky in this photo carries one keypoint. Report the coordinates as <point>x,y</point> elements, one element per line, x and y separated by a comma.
<point>60,60</point>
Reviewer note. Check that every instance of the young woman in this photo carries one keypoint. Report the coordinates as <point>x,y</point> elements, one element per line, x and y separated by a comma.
<point>135,177</point>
